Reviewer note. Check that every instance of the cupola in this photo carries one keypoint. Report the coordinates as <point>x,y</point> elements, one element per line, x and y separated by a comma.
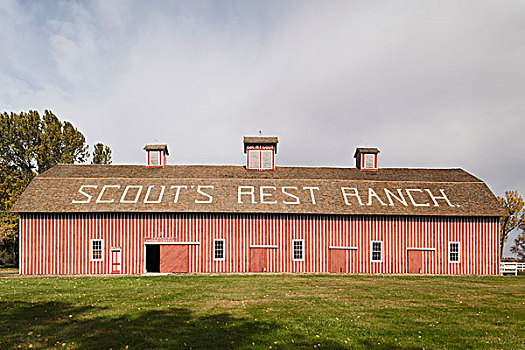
<point>260,152</point>
<point>366,158</point>
<point>156,155</point>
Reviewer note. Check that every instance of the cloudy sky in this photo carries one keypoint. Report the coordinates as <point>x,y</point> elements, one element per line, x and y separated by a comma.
<point>431,83</point>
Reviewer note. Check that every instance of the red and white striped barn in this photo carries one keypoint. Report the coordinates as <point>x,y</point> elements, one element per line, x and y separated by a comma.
<point>133,219</point>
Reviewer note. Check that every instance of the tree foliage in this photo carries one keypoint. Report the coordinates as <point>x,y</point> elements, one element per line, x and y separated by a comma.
<point>514,205</point>
<point>101,154</point>
<point>30,144</point>
<point>12,184</point>
<point>519,243</point>
<point>519,246</point>
<point>60,142</point>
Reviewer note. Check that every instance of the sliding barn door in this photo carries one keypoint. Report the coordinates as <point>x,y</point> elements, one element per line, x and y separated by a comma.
<point>174,258</point>
<point>258,259</point>
<point>337,261</point>
<point>415,261</point>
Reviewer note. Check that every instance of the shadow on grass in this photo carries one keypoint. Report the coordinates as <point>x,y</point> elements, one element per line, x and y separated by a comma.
<point>50,324</point>
<point>63,325</point>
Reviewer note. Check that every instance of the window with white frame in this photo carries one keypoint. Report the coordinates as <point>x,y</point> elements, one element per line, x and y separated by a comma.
<point>376,251</point>
<point>298,250</point>
<point>154,158</point>
<point>370,161</point>
<point>453,252</point>
<point>260,159</point>
<point>218,249</point>
<point>96,247</point>
<point>267,159</point>
<point>254,159</point>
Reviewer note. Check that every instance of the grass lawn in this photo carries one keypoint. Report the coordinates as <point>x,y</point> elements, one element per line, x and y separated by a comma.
<point>4,269</point>
<point>263,312</point>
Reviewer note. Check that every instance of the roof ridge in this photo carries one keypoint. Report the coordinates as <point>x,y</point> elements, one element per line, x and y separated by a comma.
<point>242,166</point>
<point>256,179</point>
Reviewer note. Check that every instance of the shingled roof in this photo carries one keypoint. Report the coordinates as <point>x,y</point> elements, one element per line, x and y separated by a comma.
<point>366,150</point>
<point>226,189</point>
<point>260,141</point>
<point>157,147</point>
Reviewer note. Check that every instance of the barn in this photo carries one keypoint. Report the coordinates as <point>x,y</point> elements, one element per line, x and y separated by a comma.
<point>258,217</point>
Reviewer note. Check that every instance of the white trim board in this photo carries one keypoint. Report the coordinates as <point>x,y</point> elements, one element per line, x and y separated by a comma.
<point>344,248</point>
<point>263,246</point>
<point>424,249</point>
<point>20,240</point>
<point>177,243</point>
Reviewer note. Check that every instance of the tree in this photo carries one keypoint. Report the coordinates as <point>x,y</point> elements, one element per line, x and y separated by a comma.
<point>12,184</point>
<point>101,154</point>
<point>519,246</point>
<point>29,145</point>
<point>33,144</point>
<point>19,142</point>
<point>513,203</point>
<point>60,142</point>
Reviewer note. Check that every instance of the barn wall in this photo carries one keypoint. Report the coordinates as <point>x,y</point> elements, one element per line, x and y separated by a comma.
<point>59,243</point>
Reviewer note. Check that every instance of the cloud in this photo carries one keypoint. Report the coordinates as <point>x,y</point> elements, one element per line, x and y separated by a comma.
<point>433,84</point>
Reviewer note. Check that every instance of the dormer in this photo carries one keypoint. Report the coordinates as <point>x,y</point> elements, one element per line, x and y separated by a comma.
<point>260,152</point>
<point>156,155</point>
<point>366,158</point>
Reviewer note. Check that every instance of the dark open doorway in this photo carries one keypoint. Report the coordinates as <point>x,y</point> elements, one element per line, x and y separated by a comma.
<point>152,258</point>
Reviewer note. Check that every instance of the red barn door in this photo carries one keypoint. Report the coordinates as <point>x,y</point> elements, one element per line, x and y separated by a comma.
<point>174,258</point>
<point>415,261</point>
<point>337,261</point>
<point>257,259</point>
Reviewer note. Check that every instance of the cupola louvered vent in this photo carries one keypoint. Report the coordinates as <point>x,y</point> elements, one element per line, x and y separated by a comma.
<point>156,155</point>
<point>260,152</point>
<point>366,158</point>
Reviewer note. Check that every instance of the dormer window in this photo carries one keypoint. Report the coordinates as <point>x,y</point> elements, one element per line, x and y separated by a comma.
<point>366,158</point>
<point>370,161</point>
<point>260,158</point>
<point>156,155</point>
<point>260,152</point>
<point>154,158</point>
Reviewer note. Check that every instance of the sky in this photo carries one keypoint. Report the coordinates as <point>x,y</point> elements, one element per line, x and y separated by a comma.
<point>432,84</point>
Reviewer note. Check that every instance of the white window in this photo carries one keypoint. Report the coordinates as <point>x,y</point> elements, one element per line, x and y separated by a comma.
<point>266,159</point>
<point>454,252</point>
<point>96,249</point>
<point>298,250</point>
<point>260,159</point>
<point>254,159</point>
<point>376,251</point>
<point>370,161</point>
<point>218,249</point>
<point>154,158</point>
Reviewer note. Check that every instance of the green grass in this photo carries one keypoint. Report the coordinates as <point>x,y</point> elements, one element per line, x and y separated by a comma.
<point>4,270</point>
<point>262,312</point>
